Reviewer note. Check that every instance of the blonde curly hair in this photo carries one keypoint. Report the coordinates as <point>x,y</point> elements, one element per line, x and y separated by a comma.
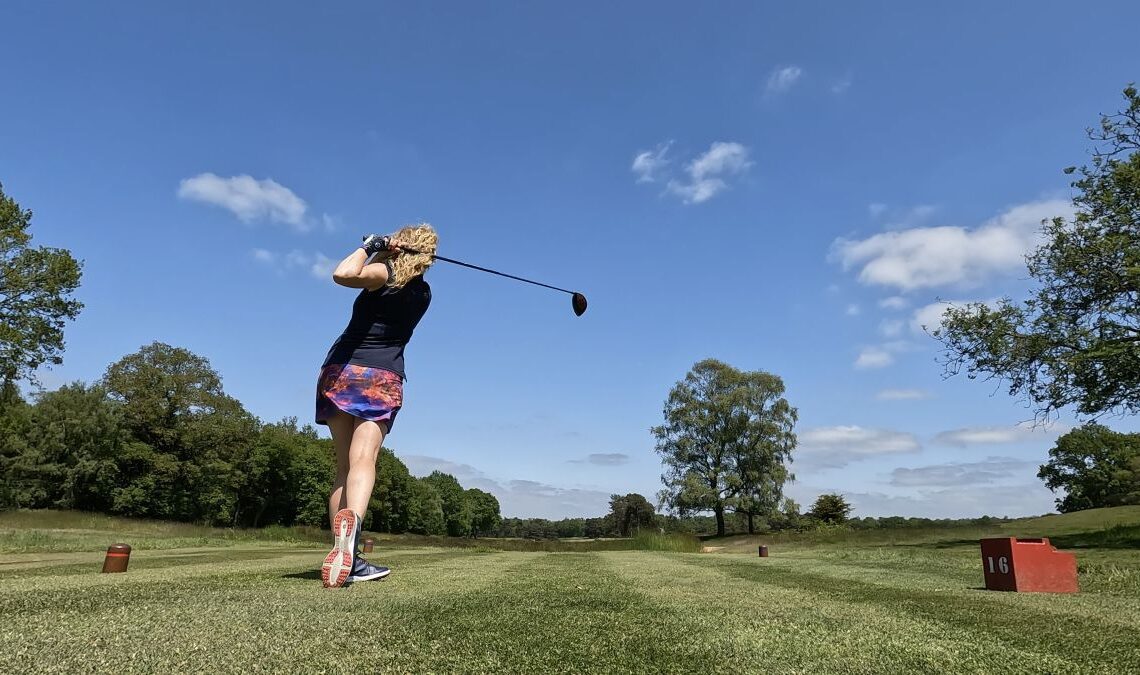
<point>421,238</point>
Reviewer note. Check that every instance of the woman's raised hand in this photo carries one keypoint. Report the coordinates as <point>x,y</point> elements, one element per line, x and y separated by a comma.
<point>375,243</point>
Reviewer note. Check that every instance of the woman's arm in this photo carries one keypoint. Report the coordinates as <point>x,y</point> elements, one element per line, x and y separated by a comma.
<point>353,273</point>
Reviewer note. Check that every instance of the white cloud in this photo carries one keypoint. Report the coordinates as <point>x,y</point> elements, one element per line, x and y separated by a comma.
<point>707,172</point>
<point>840,445</point>
<point>317,264</point>
<point>928,318</point>
<point>902,218</point>
<point>518,498</point>
<point>902,395</point>
<point>891,327</point>
<point>649,164</point>
<point>874,357</point>
<point>999,435</point>
<point>990,470</point>
<point>322,266</point>
<point>967,501</point>
<point>876,209</point>
<point>927,257</point>
<point>247,198</point>
<point>603,459</point>
<point>895,302</point>
<point>842,86</point>
<point>782,79</point>
<point>852,310</point>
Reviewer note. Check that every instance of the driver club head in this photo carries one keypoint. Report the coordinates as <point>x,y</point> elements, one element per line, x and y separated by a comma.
<point>578,301</point>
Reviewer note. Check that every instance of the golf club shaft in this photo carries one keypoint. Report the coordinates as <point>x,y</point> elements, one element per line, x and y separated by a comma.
<point>484,269</point>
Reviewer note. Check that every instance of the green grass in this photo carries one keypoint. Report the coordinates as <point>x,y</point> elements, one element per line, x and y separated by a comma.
<point>811,608</point>
<point>61,531</point>
<point>1117,527</point>
<point>72,531</point>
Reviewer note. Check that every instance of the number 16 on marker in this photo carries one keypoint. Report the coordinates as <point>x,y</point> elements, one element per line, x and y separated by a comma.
<point>1002,564</point>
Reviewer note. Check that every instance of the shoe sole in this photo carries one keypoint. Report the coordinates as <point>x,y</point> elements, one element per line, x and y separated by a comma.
<point>338,563</point>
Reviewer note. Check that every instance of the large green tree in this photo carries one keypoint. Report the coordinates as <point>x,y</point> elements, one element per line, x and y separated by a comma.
<point>629,513</point>
<point>455,513</point>
<point>425,509</point>
<point>17,458</point>
<point>724,430</point>
<point>36,286</point>
<point>388,506</point>
<point>830,508</point>
<point>192,440</point>
<point>763,488</point>
<point>276,485</point>
<point>1094,467</point>
<point>77,436</point>
<point>1076,342</point>
<point>484,510</point>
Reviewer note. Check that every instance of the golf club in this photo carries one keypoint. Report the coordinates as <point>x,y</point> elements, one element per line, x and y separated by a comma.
<point>577,300</point>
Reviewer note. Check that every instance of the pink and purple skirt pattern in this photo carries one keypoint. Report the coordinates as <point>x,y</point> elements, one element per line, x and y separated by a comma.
<point>372,394</point>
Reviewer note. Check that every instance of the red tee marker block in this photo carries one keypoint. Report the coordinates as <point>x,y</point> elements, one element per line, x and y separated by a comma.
<point>1027,566</point>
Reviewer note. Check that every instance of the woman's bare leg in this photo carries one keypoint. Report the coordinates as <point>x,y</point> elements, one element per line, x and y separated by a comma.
<point>367,437</point>
<point>341,426</point>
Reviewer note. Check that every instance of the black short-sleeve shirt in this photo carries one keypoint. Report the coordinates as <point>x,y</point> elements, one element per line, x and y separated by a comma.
<point>381,325</point>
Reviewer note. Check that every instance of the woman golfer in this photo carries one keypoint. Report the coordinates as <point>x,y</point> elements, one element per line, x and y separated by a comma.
<point>360,388</point>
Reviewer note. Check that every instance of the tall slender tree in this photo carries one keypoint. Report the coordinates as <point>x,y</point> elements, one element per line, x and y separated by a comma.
<point>725,433</point>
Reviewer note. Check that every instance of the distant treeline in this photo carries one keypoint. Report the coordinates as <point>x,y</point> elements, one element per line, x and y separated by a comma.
<point>157,437</point>
<point>541,528</point>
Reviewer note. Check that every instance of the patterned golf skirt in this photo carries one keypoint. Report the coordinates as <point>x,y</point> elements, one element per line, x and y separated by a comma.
<point>372,394</point>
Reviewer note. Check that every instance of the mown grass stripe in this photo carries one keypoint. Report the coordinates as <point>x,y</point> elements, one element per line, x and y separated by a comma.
<point>559,612</point>
<point>1101,599</point>
<point>775,629</point>
<point>241,617</point>
<point>1019,622</point>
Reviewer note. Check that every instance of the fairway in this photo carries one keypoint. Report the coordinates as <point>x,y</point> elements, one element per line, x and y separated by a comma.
<point>261,606</point>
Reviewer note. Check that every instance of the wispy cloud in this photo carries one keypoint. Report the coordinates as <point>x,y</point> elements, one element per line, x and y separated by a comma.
<point>708,173</point>
<point>873,357</point>
<point>518,497</point>
<point>990,470</point>
<point>902,394</point>
<point>894,302</point>
<point>782,79</point>
<point>842,85</point>
<point>1000,435</point>
<point>603,459</point>
<point>852,310</point>
<point>247,198</point>
<point>899,218</point>
<point>961,501</point>
<point>928,318</point>
<point>891,328</point>
<point>883,354</point>
<point>316,264</point>
<point>648,165</point>
<point>833,447</point>
<point>929,257</point>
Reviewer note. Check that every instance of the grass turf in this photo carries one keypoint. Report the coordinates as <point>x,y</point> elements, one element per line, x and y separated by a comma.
<point>260,606</point>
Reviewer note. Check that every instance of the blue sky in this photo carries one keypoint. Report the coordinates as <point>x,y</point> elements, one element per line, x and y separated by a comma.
<point>782,188</point>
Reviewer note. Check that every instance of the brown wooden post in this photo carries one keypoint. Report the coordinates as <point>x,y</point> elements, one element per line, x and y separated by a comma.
<point>118,555</point>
